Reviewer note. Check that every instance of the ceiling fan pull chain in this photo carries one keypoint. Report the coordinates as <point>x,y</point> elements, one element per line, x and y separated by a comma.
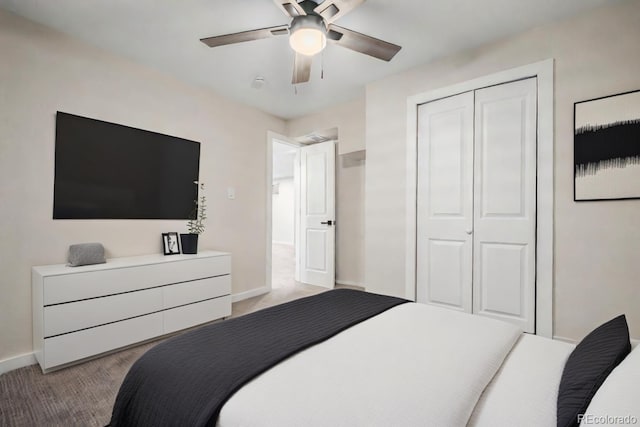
<point>322,66</point>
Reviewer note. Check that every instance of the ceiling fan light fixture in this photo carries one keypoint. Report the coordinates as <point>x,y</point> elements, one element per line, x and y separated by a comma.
<point>308,35</point>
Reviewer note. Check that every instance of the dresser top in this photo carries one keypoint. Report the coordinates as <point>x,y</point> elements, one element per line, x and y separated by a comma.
<point>123,262</point>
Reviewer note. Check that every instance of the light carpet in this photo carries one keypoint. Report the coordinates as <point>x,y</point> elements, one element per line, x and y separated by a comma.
<point>83,395</point>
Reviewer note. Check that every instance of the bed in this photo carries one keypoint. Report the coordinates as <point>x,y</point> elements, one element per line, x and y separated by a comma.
<point>351,358</point>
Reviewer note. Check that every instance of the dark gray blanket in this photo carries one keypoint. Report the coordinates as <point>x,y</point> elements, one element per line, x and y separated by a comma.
<point>186,380</point>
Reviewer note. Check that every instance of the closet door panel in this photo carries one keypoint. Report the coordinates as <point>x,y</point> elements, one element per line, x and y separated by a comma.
<point>504,269</point>
<point>445,209</point>
<point>502,188</point>
<point>505,203</point>
<point>446,267</point>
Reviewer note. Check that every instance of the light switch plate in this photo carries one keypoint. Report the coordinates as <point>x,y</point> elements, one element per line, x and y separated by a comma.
<point>231,193</point>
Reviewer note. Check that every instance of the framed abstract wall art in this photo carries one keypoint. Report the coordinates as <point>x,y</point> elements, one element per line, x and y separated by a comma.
<point>606,148</point>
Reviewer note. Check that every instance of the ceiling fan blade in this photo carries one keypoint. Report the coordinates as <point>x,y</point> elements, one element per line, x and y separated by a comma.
<point>290,7</point>
<point>331,10</point>
<point>246,36</point>
<point>362,43</point>
<point>301,68</point>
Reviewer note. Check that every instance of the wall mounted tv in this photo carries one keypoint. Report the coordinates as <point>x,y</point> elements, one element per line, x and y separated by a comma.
<point>109,171</point>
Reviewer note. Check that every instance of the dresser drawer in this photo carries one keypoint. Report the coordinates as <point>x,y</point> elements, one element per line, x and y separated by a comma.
<point>63,318</point>
<point>190,315</point>
<point>197,290</point>
<point>79,345</point>
<point>91,284</point>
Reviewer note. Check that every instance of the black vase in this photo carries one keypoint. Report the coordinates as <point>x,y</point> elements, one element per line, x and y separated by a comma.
<point>189,243</point>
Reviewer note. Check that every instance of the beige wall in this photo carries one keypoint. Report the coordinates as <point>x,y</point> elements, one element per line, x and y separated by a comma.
<point>349,118</point>
<point>596,243</point>
<point>350,220</point>
<point>41,72</point>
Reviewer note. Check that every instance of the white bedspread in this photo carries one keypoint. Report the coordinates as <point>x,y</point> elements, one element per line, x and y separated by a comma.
<point>524,392</point>
<point>413,365</point>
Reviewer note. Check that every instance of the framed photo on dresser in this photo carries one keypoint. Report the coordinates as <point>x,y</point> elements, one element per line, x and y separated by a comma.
<point>171,243</point>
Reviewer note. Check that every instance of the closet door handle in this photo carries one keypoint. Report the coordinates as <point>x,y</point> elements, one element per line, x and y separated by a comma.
<point>469,231</point>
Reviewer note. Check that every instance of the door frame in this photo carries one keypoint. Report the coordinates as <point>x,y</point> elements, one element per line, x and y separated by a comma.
<point>271,137</point>
<point>543,70</point>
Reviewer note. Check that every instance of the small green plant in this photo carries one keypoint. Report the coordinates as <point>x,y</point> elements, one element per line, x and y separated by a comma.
<point>195,225</point>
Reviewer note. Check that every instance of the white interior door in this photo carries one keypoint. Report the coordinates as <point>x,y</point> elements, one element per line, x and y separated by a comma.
<point>317,214</point>
<point>505,203</point>
<point>445,202</point>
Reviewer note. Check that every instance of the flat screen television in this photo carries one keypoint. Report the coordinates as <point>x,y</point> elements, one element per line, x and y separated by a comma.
<point>109,171</point>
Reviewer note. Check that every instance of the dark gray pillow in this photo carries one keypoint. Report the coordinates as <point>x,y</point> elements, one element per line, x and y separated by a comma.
<point>85,254</point>
<point>588,366</point>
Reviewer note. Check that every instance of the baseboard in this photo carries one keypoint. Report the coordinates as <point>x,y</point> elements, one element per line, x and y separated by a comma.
<point>564,339</point>
<point>349,283</point>
<point>249,294</point>
<point>634,341</point>
<point>17,362</point>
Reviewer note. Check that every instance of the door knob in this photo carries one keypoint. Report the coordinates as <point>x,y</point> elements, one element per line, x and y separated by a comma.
<point>328,222</point>
<point>469,231</point>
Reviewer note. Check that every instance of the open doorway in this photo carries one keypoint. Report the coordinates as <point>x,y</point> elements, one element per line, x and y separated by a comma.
<point>283,214</point>
<point>300,213</point>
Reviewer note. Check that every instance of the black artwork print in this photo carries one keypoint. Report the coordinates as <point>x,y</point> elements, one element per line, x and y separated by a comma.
<point>614,145</point>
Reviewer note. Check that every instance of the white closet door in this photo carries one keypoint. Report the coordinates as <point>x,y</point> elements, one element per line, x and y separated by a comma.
<point>445,208</point>
<point>505,203</point>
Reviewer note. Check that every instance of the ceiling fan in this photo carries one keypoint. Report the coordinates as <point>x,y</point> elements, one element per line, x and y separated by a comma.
<point>310,29</point>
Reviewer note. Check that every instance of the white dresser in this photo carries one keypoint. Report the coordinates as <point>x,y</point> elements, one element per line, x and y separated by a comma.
<point>80,312</point>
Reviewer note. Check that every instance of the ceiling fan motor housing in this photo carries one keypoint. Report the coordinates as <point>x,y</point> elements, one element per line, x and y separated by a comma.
<point>308,21</point>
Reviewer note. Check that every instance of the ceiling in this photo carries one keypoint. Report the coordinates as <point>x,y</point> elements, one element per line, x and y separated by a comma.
<point>164,34</point>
